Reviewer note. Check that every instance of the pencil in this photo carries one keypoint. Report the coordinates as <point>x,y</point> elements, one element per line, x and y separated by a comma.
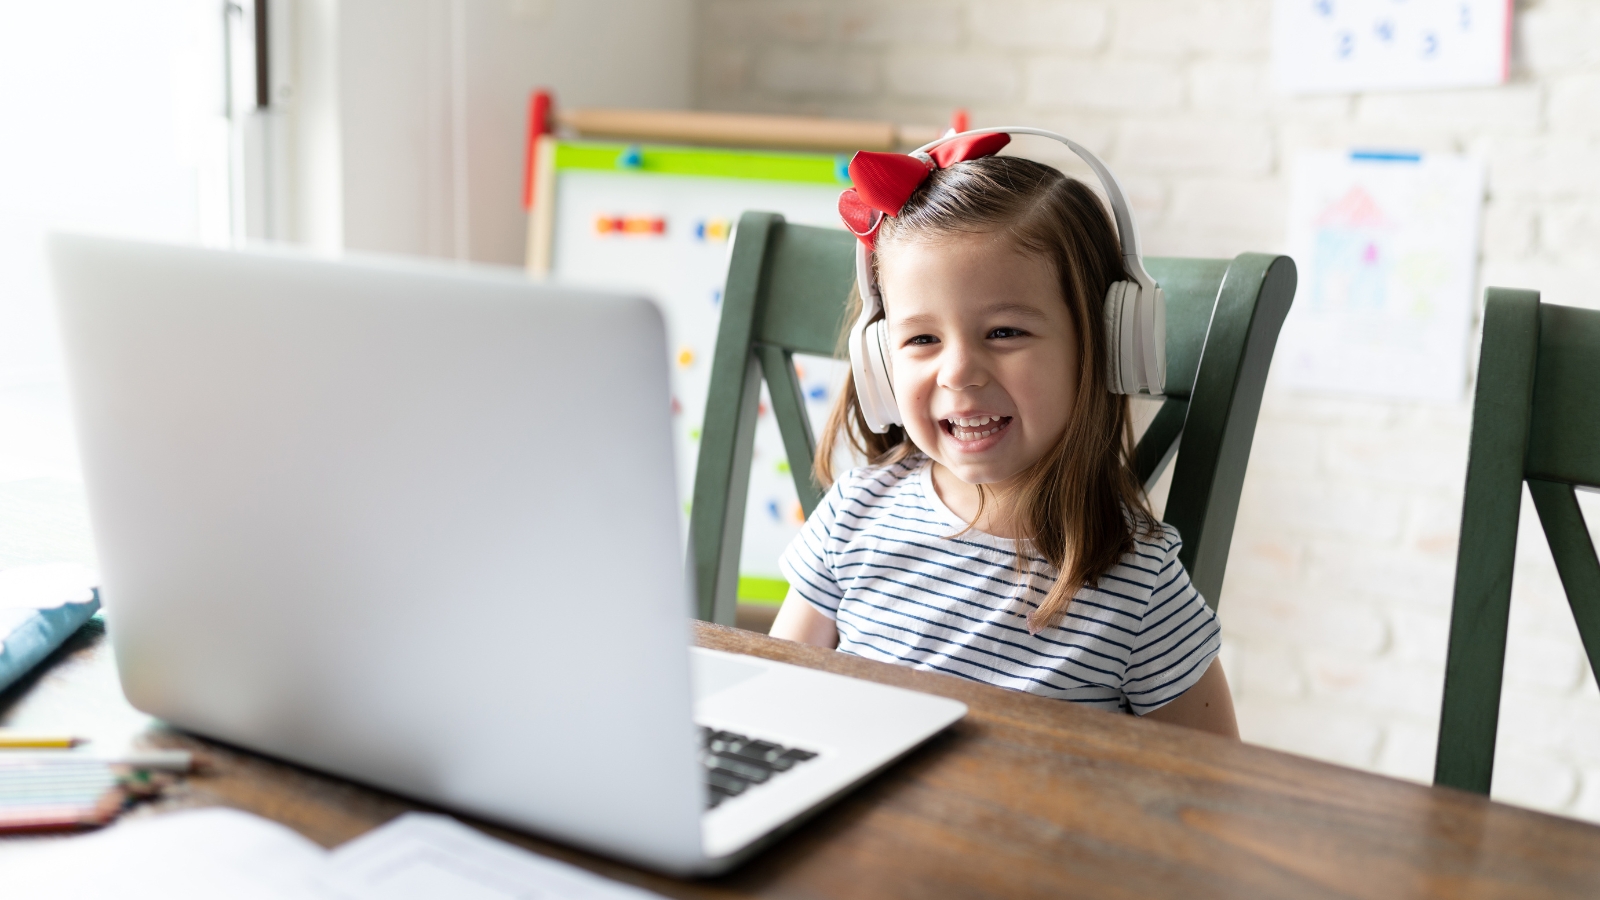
<point>11,740</point>
<point>151,760</point>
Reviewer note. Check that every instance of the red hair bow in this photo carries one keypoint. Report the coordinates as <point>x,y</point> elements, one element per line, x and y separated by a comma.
<point>885,181</point>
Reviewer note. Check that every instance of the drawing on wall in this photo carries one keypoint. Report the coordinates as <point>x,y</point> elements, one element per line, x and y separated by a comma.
<point>1387,246</point>
<point>1356,45</point>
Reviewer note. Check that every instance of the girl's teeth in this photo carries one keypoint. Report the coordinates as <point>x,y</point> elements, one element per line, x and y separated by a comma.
<point>967,429</point>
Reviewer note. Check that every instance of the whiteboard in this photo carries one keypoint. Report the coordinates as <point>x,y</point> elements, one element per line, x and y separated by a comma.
<point>668,235</point>
<point>1359,45</point>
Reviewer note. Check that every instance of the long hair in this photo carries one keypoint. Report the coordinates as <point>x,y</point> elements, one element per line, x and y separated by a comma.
<point>1080,505</point>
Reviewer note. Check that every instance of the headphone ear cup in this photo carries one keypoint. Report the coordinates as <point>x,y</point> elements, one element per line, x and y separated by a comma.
<point>869,365</point>
<point>880,369</point>
<point>1136,339</point>
<point>1115,313</point>
<point>1153,339</point>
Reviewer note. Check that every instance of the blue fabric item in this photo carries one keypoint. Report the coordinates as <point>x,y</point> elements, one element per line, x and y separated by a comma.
<point>31,641</point>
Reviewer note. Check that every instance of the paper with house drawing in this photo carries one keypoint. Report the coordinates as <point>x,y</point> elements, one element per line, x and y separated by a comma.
<point>1386,244</point>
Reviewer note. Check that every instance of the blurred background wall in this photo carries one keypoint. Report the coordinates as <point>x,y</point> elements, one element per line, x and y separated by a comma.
<point>410,115</point>
<point>1336,605</point>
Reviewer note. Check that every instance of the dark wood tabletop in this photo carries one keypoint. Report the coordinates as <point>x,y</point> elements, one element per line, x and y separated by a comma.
<point>1025,797</point>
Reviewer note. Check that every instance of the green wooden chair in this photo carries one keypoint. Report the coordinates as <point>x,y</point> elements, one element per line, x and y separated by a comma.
<point>786,294</point>
<point>1536,418</point>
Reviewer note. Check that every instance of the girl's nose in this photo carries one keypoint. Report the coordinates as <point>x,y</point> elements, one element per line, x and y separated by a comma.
<point>961,367</point>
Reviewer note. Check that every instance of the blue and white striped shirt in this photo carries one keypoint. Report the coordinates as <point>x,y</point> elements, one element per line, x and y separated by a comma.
<point>887,561</point>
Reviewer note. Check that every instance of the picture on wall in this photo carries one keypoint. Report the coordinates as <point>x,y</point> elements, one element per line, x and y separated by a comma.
<point>1387,245</point>
<point>1327,46</point>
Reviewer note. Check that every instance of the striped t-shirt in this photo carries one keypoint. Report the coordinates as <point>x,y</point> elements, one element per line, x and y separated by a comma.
<point>887,561</point>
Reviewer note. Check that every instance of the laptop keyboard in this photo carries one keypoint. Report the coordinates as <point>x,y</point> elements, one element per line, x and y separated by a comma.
<point>734,763</point>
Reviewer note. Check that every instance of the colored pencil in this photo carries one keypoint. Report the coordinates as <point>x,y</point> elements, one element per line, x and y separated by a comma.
<point>17,740</point>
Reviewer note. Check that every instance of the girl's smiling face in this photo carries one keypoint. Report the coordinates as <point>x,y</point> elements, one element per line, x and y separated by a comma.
<point>984,351</point>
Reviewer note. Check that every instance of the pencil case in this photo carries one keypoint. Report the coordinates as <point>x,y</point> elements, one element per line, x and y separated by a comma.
<point>32,628</point>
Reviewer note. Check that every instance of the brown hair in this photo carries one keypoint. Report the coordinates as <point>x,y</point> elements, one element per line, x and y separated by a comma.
<point>1081,504</point>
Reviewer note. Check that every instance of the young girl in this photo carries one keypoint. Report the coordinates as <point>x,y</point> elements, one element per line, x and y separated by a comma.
<point>1000,533</point>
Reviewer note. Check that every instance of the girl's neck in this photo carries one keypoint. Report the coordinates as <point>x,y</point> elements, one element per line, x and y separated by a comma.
<point>964,500</point>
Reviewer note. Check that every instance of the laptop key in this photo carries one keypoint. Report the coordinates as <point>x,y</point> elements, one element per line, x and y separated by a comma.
<point>735,762</point>
<point>726,784</point>
<point>723,741</point>
<point>750,772</point>
<point>788,758</point>
<point>763,752</point>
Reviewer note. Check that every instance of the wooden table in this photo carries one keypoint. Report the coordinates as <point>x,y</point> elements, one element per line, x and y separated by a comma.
<point>1026,797</point>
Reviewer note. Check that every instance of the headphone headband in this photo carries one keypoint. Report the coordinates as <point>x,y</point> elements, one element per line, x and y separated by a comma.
<point>1127,230</point>
<point>1135,310</point>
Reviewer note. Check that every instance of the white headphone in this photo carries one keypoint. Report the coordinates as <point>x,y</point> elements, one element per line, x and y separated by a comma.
<point>1135,311</point>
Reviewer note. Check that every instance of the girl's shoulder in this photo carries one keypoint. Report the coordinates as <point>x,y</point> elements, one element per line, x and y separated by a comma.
<point>1158,539</point>
<point>1150,567</point>
<point>888,492</point>
<point>873,485</point>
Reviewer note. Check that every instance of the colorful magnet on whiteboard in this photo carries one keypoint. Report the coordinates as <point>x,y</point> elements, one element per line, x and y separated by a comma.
<point>799,513</point>
<point>677,408</point>
<point>818,393</point>
<point>716,297</point>
<point>761,408</point>
<point>716,230</point>
<point>841,169</point>
<point>685,357</point>
<point>782,467</point>
<point>772,510</point>
<point>800,371</point>
<point>631,158</point>
<point>694,434</point>
<point>631,225</point>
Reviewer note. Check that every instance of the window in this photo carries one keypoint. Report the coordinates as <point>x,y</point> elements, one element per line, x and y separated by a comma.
<point>116,120</point>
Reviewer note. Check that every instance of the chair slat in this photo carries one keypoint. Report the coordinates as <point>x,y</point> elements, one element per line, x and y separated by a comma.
<point>789,408</point>
<point>1236,351</point>
<point>727,438</point>
<point>1487,550</point>
<point>1573,550</point>
<point>1159,444</point>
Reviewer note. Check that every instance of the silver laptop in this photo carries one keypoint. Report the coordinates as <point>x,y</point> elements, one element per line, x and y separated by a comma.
<point>417,525</point>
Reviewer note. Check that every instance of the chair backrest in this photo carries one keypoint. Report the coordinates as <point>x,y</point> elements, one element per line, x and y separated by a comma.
<point>1535,418</point>
<point>786,293</point>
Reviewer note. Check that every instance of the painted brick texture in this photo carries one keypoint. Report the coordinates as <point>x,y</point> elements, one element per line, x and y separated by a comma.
<point>1337,600</point>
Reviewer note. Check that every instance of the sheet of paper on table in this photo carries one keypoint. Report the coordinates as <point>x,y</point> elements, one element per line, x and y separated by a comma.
<point>213,853</point>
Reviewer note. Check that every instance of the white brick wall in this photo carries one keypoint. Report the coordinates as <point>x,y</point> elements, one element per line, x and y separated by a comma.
<point>1338,593</point>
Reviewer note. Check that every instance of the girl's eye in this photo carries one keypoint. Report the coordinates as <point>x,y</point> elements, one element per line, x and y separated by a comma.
<point>1006,332</point>
<point>923,339</point>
